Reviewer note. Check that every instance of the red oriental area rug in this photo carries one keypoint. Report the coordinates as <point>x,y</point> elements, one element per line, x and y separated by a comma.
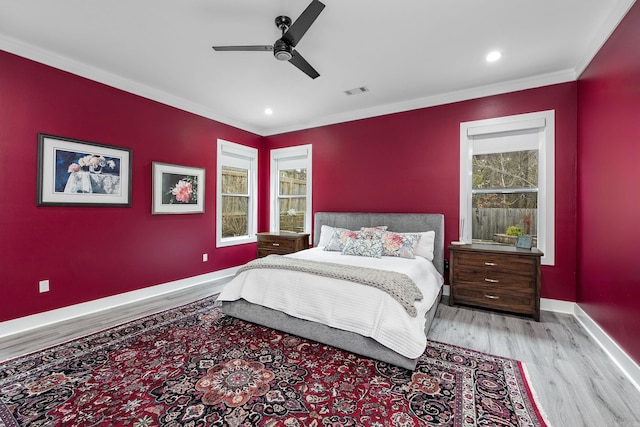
<point>193,366</point>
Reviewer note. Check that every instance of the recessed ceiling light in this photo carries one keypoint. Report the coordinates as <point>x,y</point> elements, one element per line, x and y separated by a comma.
<point>493,56</point>
<point>268,111</point>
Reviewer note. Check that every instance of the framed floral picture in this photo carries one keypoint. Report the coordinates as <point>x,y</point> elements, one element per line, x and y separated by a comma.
<point>72,172</point>
<point>177,189</point>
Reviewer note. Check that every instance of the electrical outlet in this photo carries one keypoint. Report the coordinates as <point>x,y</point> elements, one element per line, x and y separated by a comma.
<point>205,257</point>
<point>44,286</point>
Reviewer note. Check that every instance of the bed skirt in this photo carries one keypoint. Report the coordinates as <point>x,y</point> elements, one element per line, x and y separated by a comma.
<point>324,334</point>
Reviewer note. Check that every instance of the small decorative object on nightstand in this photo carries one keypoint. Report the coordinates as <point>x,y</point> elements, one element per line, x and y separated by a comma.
<point>281,243</point>
<point>496,277</point>
<point>524,242</point>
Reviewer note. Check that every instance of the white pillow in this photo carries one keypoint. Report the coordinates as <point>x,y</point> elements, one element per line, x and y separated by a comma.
<point>425,244</point>
<point>325,235</point>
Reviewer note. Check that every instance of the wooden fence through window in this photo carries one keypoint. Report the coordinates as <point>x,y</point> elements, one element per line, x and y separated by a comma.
<point>489,221</point>
<point>235,209</point>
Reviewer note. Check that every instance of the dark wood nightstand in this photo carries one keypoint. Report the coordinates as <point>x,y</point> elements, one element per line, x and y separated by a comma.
<point>496,277</point>
<point>281,243</point>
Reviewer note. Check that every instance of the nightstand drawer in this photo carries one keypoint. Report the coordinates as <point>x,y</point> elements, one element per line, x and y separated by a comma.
<point>499,298</point>
<point>274,243</point>
<point>496,263</point>
<point>267,252</point>
<point>281,243</point>
<point>494,278</point>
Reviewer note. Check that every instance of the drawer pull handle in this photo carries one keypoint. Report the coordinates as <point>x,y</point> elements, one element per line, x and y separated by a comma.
<point>492,264</point>
<point>275,244</point>
<point>491,280</point>
<point>492,296</point>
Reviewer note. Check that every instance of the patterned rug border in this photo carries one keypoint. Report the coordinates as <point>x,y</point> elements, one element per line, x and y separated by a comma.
<point>132,328</point>
<point>105,329</point>
<point>138,321</point>
<point>533,396</point>
<point>522,370</point>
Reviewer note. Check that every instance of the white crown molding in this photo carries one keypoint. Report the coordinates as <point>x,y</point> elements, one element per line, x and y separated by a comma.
<point>440,99</point>
<point>603,33</point>
<point>81,69</point>
<point>27,323</point>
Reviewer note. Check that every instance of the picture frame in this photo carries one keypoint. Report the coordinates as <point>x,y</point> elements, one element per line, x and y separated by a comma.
<point>177,189</point>
<point>72,172</point>
<point>524,242</point>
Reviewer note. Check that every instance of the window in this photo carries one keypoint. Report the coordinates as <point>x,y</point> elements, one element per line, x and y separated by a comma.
<point>507,180</point>
<point>236,191</point>
<point>291,189</point>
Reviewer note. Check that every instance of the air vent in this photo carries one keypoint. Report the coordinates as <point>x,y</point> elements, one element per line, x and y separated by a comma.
<point>356,91</point>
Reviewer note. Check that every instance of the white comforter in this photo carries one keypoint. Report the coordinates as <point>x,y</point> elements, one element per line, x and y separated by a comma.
<point>345,305</point>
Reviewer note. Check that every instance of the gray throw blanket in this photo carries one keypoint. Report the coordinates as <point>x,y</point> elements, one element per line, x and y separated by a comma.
<point>398,285</point>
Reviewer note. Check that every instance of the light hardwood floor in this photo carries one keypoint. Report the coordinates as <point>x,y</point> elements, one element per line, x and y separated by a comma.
<point>575,381</point>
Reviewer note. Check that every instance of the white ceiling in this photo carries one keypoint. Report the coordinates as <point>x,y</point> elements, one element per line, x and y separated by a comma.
<point>408,53</point>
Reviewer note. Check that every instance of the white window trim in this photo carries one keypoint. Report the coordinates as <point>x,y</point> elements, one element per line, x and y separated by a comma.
<point>544,122</point>
<point>302,152</point>
<point>226,148</point>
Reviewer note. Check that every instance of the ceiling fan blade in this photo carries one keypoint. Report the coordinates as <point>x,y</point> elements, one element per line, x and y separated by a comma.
<point>257,48</point>
<point>302,24</point>
<point>303,65</point>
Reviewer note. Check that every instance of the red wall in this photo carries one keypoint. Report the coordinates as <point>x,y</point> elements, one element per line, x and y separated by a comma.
<point>609,177</point>
<point>410,162</point>
<point>92,252</point>
<point>406,162</point>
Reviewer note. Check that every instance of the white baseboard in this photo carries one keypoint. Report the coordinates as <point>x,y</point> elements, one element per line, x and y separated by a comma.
<point>23,324</point>
<point>557,306</point>
<point>626,364</point>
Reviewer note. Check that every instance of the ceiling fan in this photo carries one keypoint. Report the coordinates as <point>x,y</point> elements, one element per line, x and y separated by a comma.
<point>283,48</point>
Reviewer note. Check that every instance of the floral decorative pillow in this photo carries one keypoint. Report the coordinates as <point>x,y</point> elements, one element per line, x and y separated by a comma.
<point>339,238</point>
<point>363,247</point>
<point>372,232</point>
<point>401,245</point>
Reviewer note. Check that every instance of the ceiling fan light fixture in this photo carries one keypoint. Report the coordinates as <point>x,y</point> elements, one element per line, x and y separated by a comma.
<point>283,55</point>
<point>292,32</point>
<point>282,51</point>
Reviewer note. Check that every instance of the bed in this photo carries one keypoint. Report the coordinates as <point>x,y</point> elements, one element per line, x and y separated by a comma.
<point>398,338</point>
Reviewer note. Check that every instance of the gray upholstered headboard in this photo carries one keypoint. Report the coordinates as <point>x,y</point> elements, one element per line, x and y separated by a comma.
<point>402,223</point>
